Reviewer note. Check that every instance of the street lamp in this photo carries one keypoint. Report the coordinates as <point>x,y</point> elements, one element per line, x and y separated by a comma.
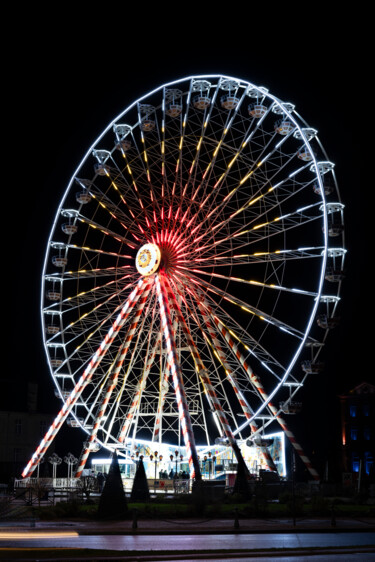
<point>55,460</point>
<point>171,457</point>
<point>39,463</point>
<point>70,460</point>
<point>156,462</point>
<point>160,458</point>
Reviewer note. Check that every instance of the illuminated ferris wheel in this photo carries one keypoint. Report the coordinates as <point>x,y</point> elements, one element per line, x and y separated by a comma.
<point>192,272</point>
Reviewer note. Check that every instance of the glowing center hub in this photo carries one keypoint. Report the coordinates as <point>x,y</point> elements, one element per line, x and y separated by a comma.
<point>148,259</point>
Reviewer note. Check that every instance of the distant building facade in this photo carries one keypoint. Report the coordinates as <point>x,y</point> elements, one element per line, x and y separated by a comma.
<point>20,433</point>
<point>358,429</point>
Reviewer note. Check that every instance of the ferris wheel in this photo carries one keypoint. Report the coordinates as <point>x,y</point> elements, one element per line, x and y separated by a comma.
<point>193,271</point>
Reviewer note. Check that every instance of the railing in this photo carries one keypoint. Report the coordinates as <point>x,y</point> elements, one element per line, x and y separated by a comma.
<point>47,482</point>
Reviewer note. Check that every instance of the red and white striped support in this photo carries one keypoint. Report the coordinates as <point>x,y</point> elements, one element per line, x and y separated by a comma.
<point>162,395</point>
<point>256,382</point>
<point>206,312</point>
<point>84,379</point>
<point>113,379</point>
<point>175,370</point>
<point>140,388</point>
<point>203,374</point>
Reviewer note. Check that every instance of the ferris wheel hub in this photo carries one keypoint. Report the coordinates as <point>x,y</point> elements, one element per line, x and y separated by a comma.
<point>148,259</point>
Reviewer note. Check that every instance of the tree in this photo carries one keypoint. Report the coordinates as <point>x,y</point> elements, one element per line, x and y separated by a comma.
<point>112,504</point>
<point>241,484</point>
<point>140,491</point>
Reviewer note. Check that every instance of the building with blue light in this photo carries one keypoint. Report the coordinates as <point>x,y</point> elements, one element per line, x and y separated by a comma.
<point>358,429</point>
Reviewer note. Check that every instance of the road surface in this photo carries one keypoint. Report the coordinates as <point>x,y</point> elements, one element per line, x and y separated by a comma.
<point>173,543</point>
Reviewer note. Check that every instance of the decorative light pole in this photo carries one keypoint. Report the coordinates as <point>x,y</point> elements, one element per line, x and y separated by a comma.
<point>39,463</point>
<point>55,460</point>
<point>156,462</point>
<point>70,460</point>
<point>171,457</point>
<point>160,458</point>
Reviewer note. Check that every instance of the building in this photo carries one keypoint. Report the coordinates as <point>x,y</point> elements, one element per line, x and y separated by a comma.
<point>358,429</point>
<point>21,430</point>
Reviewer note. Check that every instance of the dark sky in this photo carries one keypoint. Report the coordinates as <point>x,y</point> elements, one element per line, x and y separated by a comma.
<point>63,89</point>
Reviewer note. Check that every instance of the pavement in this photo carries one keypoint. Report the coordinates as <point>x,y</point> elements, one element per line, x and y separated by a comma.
<point>198,525</point>
<point>233,527</point>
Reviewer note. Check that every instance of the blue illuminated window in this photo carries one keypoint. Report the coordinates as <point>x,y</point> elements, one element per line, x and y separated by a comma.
<point>353,411</point>
<point>367,433</point>
<point>355,462</point>
<point>369,461</point>
<point>366,410</point>
<point>354,434</point>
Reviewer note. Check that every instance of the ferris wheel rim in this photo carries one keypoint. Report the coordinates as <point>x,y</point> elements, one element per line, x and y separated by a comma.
<point>324,259</point>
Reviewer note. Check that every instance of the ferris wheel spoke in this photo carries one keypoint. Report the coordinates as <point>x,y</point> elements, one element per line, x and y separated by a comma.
<point>193,169</point>
<point>81,330</point>
<point>175,370</point>
<point>225,258</point>
<point>97,251</point>
<point>272,287</point>
<point>87,374</point>
<point>202,372</point>
<point>223,321</point>
<point>112,382</point>
<point>246,409</point>
<point>266,400</point>
<point>219,352</point>
<point>87,318</point>
<point>131,225</point>
<point>256,198</point>
<point>260,314</point>
<point>278,225</point>
<point>112,234</point>
<point>117,412</point>
<point>149,360</point>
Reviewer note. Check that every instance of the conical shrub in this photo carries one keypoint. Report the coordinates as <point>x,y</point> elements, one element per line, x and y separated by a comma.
<point>241,484</point>
<point>112,504</point>
<point>140,491</point>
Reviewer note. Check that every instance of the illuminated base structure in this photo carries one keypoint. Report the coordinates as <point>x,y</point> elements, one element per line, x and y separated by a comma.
<point>163,461</point>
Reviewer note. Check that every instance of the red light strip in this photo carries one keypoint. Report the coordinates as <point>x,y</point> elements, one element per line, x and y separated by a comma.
<point>114,377</point>
<point>129,417</point>
<point>258,385</point>
<point>175,369</point>
<point>86,376</point>
<point>204,376</point>
<point>205,311</point>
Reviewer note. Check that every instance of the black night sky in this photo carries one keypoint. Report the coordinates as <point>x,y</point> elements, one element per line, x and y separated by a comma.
<point>64,85</point>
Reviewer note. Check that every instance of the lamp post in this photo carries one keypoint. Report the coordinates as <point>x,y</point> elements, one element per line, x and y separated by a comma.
<point>39,463</point>
<point>55,460</point>
<point>70,460</point>
<point>160,458</point>
<point>171,458</point>
<point>156,462</point>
